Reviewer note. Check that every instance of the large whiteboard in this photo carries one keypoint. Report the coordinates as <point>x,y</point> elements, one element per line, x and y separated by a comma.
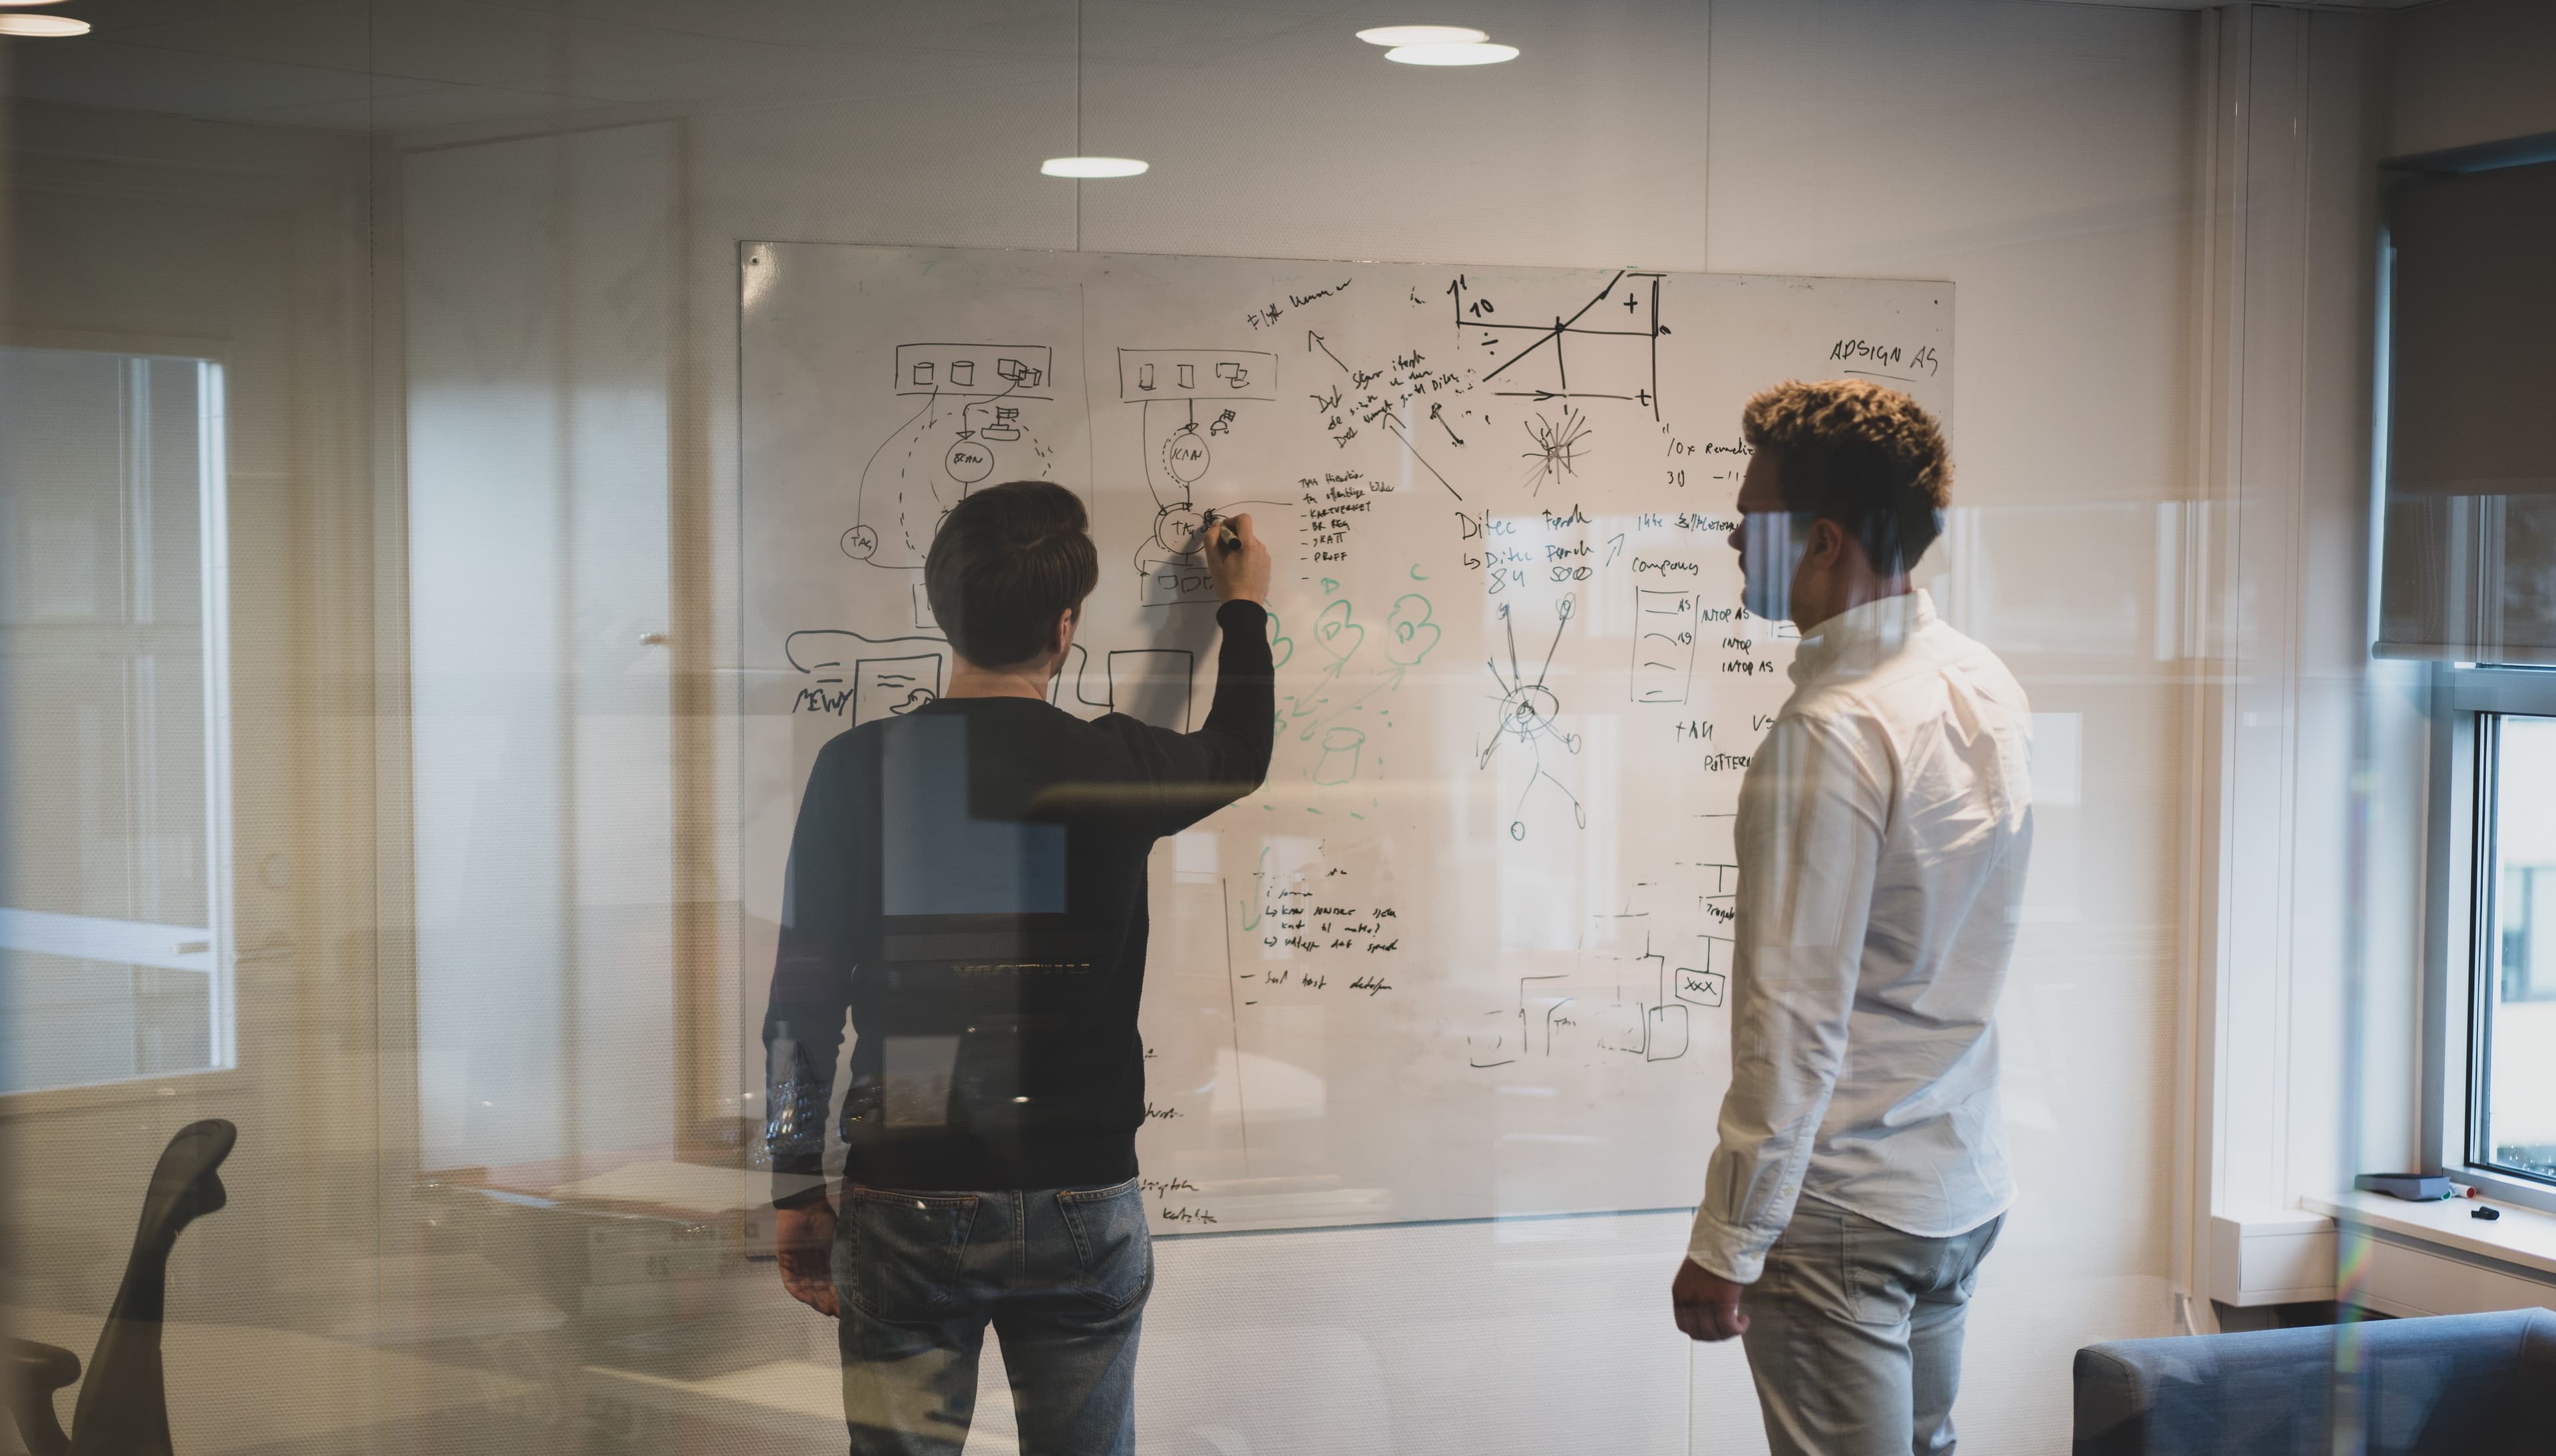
<point>1465,955</point>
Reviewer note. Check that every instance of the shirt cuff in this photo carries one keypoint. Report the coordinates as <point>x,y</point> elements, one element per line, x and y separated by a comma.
<point>1241,614</point>
<point>1726,1251</point>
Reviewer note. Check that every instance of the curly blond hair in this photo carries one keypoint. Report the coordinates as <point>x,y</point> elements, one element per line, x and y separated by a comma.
<point>1867,457</point>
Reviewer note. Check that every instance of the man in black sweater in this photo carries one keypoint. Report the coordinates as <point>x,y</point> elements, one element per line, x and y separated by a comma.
<point>967,882</point>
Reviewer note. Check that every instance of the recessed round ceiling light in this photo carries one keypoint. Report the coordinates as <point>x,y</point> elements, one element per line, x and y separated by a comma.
<point>1091,167</point>
<point>42,25</point>
<point>1410,34</point>
<point>1469,54</point>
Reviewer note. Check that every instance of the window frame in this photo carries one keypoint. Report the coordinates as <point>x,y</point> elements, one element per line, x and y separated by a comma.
<point>2459,907</point>
<point>222,1067</point>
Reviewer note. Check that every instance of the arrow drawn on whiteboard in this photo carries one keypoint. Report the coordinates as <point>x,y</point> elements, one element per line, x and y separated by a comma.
<point>1577,394</point>
<point>1435,413</point>
<point>1314,341</point>
<point>1403,435</point>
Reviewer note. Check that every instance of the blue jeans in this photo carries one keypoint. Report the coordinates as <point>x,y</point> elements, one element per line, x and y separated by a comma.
<point>1061,1274</point>
<point>1854,1334</point>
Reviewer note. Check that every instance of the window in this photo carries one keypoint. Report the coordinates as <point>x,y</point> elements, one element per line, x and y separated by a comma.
<point>2515,1056</point>
<point>114,943</point>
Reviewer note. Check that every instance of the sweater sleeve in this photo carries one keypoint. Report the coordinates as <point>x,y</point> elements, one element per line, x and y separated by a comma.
<point>811,983</point>
<point>1199,772</point>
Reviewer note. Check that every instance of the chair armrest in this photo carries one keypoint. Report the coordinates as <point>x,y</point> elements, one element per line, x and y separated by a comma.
<point>2113,1396</point>
<point>32,1371</point>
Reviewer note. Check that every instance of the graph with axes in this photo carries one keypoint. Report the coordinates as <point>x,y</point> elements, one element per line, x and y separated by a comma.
<point>1608,348</point>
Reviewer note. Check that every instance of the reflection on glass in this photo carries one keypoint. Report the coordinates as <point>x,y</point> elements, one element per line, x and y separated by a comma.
<point>110,643</point>
<point>2519,1109</point>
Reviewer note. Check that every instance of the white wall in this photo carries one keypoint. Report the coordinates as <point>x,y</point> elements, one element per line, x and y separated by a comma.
<point>2044,157</point>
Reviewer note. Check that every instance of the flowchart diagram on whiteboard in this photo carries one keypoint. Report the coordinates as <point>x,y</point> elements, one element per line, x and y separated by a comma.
<point>1467,953</point>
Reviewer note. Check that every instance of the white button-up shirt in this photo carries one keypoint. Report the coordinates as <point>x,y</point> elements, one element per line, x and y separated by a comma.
<point>1883,829</point>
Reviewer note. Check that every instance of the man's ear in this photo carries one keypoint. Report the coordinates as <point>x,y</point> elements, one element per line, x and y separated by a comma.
<point>1829,545</point>
<point>1065,622</point>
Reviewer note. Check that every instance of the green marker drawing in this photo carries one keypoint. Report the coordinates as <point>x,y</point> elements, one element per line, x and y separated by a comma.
<point>1259,881</point>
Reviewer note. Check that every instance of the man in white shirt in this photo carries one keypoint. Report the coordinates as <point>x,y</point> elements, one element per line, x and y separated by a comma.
<point>1883,829</point>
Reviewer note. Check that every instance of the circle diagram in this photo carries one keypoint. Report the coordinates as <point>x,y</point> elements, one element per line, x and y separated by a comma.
<point>1177,528</point>
<point>1529,709</point>
<point>969,461</point>
<point>1184,457</point>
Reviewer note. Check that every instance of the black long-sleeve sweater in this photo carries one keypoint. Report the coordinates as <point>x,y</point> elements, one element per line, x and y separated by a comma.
<point>969,881</point>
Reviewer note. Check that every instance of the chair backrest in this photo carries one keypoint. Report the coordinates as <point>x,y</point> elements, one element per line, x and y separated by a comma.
<point>2469,1385</point>
<point>123,1406</point>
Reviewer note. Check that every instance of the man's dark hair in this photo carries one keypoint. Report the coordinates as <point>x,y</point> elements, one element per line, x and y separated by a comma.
<point>1005,563</point>
<point>1863,457</point>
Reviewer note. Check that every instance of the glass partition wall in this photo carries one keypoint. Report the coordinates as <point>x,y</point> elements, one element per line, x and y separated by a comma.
<point>501,788</point>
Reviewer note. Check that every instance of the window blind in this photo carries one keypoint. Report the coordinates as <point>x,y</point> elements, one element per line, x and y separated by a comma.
<point>2468,541</point>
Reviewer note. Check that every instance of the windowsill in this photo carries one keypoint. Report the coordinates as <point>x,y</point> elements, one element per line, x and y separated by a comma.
<point>2523,1239</point>
<point>91,1095</point>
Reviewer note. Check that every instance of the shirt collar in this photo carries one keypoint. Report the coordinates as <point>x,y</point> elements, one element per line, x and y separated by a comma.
<point>1859,637</point>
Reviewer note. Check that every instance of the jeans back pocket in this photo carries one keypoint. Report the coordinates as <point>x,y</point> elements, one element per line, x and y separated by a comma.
<point>1874,1270</point>
<point>905,1250</point>
<point>1112,1240</point>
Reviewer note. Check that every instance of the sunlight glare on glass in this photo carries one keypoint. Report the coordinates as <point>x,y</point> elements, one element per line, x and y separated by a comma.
<point>1091,167</point>
<point>1473,54</point>
<point>42,25</point>
<point>1423,35</point>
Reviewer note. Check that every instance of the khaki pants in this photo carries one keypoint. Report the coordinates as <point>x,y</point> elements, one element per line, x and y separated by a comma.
<point>1854,1334</point>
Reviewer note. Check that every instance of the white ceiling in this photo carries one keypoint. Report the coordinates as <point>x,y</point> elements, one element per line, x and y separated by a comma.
<point>411,65</point>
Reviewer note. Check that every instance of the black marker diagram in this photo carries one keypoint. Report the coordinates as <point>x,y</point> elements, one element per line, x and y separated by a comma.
<point>1606,349</point>
<point>1529,713</point>
<point>973,423</point>
<point>1625,1001</point>
<point>1531,1029</point>
<point>1664,633</point>
<point>1650,1021</point>
<point>862,679</point>
<point>1560,443</point>
<point>1376,409</point>
<point>1704,983</point>
<point>1153,684</point>
<point>1195,402</point>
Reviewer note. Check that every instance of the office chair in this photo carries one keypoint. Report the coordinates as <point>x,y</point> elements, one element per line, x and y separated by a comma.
<point>123,1408</point>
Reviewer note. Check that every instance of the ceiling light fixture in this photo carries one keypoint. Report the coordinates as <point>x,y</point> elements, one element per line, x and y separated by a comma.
<point>49,26</point>
<point>1080,166</point>
<point>1419,35</point>
<point>1473,53</point>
